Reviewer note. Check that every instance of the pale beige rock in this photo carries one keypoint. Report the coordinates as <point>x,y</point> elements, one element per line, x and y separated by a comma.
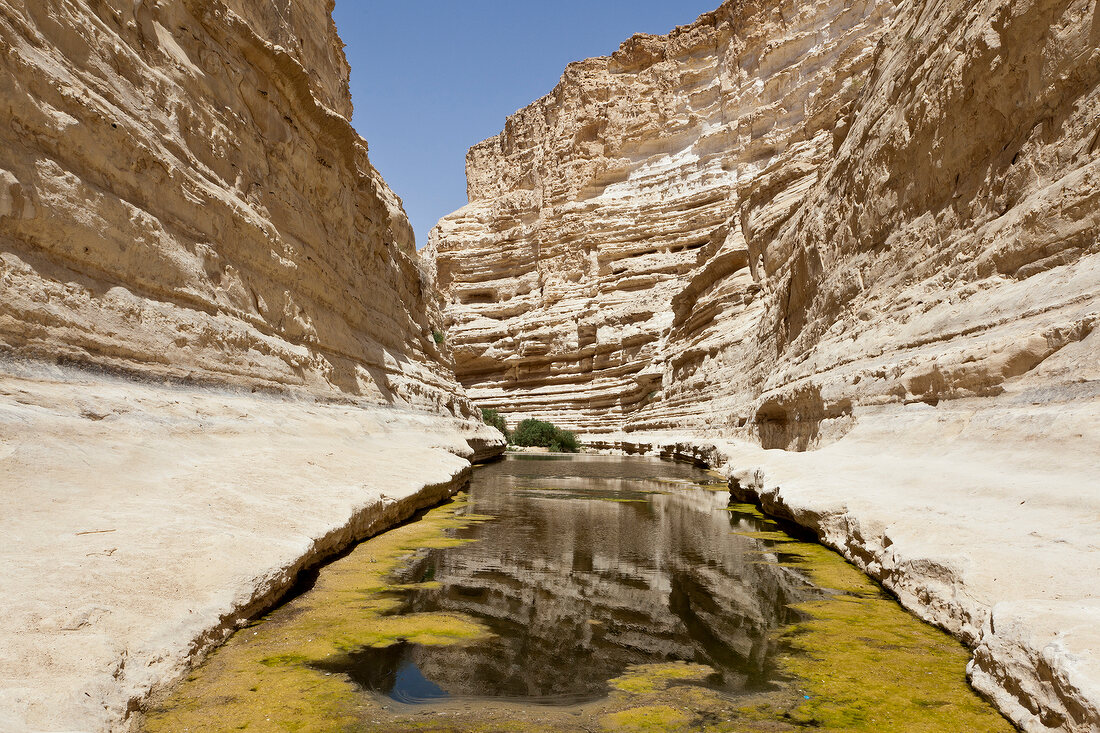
<point>603,258</point>
<point>182,194</point>
<point>762,219</point>
<point>183,201</point>
<point>142,524</point>
<point>857,245</point>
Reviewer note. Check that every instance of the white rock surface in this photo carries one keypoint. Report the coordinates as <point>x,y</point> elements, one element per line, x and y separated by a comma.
<point>143,523</point>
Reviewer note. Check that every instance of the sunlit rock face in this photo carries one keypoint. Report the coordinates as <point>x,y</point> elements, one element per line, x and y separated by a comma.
<point>782,213</point>
<point>182,195</point>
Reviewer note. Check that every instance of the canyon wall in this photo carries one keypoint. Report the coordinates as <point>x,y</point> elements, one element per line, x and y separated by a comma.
<point>783,213</point>
<point>182,196</point>
<point>867,233</point>
<point>187,217</point>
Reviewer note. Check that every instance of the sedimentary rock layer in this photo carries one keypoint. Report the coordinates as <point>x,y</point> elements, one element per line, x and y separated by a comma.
<point>183,199</point>
<point>182,195</point>
<point>867,233</point>
<point>144,523</point>
<point>782,212</point>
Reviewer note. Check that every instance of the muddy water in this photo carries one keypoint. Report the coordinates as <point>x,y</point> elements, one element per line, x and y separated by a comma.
<point>585,593</point>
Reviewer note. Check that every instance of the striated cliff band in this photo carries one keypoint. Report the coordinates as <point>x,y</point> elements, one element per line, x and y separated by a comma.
<point>187,218</point>
<point>783,211</point>
<point>182,195</point>
<point>865,233</point>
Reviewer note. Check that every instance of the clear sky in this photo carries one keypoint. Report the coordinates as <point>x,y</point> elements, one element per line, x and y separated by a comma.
<point>433,77</point>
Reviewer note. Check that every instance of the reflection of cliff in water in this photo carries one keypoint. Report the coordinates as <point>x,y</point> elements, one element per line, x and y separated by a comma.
<point>640,570</point>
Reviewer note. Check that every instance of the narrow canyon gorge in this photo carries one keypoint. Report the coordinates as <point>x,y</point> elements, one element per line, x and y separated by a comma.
<point>850,251</point>
<point>847,254</point>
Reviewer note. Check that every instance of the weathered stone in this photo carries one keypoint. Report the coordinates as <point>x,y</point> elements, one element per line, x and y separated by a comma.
<point>865,233</point>
<point>779,213</point>
<point>183,199</point>
<point>182,195</point>
<point>143,524</point>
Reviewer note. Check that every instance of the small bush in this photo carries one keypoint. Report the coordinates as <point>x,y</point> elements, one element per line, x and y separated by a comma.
<point>532,432</point>
<point>496,420</point>
<point>565,442</point>
<point>438,335</point>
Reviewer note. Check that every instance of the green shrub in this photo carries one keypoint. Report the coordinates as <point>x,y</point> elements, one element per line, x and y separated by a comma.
<point>495,419</point>
<point>532,432</point>
<point>565,442</point>
<point>438,335</point>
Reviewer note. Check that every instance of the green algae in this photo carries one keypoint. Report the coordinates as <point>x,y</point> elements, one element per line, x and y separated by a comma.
<point>748,509</point>
<point>827,569</point>
<point>865,664</point>
<point>418,628</point>
<point>648,718</point>
<point>770,536</point>
<point>266,679</point>
<point>643,678</point>
<point>860,662</point>
<point>853,661</point>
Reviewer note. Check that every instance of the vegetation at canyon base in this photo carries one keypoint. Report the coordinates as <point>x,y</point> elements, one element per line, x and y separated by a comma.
<point>536,433</point>
<point>496,420</point>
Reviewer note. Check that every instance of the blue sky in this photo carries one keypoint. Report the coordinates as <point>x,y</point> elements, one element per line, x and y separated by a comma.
<point>431,78</point>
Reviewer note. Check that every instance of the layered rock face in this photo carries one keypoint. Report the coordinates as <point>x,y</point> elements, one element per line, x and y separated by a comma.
<point>867,233</point>
<point>182,196</point>
<point>783,213</point>
<point>183,199</point>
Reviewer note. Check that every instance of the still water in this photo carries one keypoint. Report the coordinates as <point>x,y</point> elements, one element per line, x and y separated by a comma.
<point>592,566</point>
<point>585,593</point>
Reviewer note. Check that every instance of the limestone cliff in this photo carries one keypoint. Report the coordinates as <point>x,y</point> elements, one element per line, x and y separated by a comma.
<point>183,199</point>
<point>867,233</point>
<point>783,212</point>
<point>182,195</point>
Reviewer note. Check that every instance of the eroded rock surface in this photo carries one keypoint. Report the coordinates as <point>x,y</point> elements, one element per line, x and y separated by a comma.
<point>143,524</point>
<point>182,195</point>
<point>779,213</point>
<point>183,199</point>
<point>865,233</point>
